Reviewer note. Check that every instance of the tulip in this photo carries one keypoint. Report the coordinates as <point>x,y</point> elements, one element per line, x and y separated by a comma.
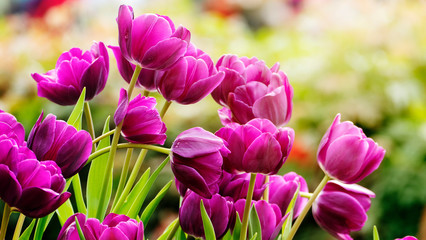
<point>114,226</point>
<point>190,79</point>
<point>407,238</point>
<point>196,160</point>
<point>56,140</point>
<point>282,189</point>
<point>251,90</point>
<point>236,185</point>
<point>74,71</point>
<point>270,217</point>
<point>141,120</point>
<point>219,210</point>
<point>341,208</point>
<point>258,146</point>
<point>150,41</point>
<point>345,153</point>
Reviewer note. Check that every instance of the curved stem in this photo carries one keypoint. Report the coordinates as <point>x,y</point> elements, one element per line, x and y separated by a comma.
<point>165,108</point>
<point>244,224</point>
<point>5,220</point>
<point>123,175</point>
<point>18,227</point>
<point>89,122</point>
<point>307,207</point>
<point>266,192</point>
<point>107,134</point>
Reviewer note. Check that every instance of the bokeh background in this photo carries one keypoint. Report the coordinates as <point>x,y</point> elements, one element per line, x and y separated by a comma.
<point>365,59</point>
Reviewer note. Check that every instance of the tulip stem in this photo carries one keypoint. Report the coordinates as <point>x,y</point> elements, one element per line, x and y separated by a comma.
<point>307,207</point>
<point>18,227</point>
<point>89,121</point>
<point>165,108</point>
<point>132,179</point>
<point>123,176</point>
<point>246,214</point>
<point>133,81</point>
<point>5,220</point>
<point>266,192</point>
<point>305,194</point>
<point>107,134</point>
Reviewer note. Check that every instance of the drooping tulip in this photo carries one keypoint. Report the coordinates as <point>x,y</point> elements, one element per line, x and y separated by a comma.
<point>258,146</point>
<point>341,208</point>
<point>141,121</point>
<point>58,141</point>
<point>196,160</point>
<point>74,71</point>
<point>252,90</point>
<point>345,153</point>
<point>219,210</point>
<point>150,41</point>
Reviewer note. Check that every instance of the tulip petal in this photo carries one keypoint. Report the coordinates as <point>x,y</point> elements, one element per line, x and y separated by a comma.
<point>124,21</point>
<point>113,234</point>
<point>94,78</point>
<point>10,189</point>
<point>36,202</point>
<point>123,104</point>
<point>164,54</point>
<point>201,89</point>
<point>195,142</point>
<point>192,179</point>
<point>273,106</point>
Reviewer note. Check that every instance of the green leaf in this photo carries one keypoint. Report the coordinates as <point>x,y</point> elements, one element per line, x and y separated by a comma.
<point>27,233</point>
<point>77,113</point>
<point>41,226</point>
<point>254,224</point>
<point>137,204</point>
<point>170,230</point>
<point>288,221</point>
<point>147,212</point>
<point>80,232</point>
<point>64,212</point>
<point>95,178</point>
<point>180,234</point>
<point>207,223</point>
<point>76,185</point>
<point>254,236</point>
<point>227,236</point>
<point>237,228</point>
<point>375,233</point>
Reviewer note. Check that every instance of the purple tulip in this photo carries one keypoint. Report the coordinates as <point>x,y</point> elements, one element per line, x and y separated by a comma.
<point>114,226</point>
<point>56,140</point>
<point>190,79</point>
<point>150,40</point>
<point>341,208</point>
<point>219,210</point>
<point>407,238</point>
<point>75,70</point>
<point>251,90</point>
<point>282,189</point>
<point>197,160</point>
<point>345,153</point>
<point>126,69</point>
<point>270,216</point>
<point>258,146</point>
<point>236,186</point>
<point>141,120</point>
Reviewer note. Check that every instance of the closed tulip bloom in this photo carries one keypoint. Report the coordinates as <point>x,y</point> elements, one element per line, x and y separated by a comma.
<point>341,208</point>
<point>270,216</point>
<point>258,146</point>
<point>345,153</point>
<point>141,121</point>
<point>282,189</point>
<point>252,90</point>
<point>236,185</point>
<point>407,238</point>
<point>75,70</point>
<point>189,80</point>
<point>56,140</point>
<point>196,160</point>
<point>114,226</point>
<point>219,210</point>
<point>150,41</point>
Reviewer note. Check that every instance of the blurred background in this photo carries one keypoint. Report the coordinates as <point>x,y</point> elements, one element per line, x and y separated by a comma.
<point>365,59</point>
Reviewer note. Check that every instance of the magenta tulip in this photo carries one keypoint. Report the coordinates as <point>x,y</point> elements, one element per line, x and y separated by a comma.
<point>345,153</point>
<point>407,238</point>
<point>74,71</point>
<point>236,185</point>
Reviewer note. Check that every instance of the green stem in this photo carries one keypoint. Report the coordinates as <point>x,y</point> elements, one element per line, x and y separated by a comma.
<point>89,121</point>
<point>133,81</point>
<point>266,192</point>
<point>5,220</point>
<point>173,231</point>
<point>146,93</point>
<point>18,227</point>
<point>123,176</point>
<point>307,207</point>
<point>305,194</point>
<point>107,134</point>
<point>165,107</point>
<point>132,179</point>
<point>244,224</point>
<point>78,194</point>
<point>128,145</point>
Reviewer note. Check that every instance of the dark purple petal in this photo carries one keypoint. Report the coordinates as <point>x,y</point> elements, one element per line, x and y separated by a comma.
<point>10,189</point>
<point>94,78</point>
<point>192,179</point>
<point>125,68</point>
<point>36,202</point>
<point>164,54</point>
<point>123,104</point>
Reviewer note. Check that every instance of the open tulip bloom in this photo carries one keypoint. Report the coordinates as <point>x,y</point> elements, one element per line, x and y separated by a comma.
<point>233,184</point>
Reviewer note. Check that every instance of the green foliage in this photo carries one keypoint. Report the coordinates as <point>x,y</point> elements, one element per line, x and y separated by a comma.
<point>207,223</point>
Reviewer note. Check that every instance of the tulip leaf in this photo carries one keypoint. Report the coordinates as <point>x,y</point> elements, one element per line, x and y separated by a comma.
<point>95,179</point>
<point>254,224</point>
<point>137,204</point>
<point>78,194</point>
<point>180,234</point>
<point>64,212</point>
<point>77,113</point>
<point>228,235</point>
<point>41,226</point>
<point>207,223</point>
<point>80,232</point>
<point>254,236</point>
<point>237,227</point>
<point>170,231</point>
<point>375,233</point>
<point>147,212</point>
<point>290,211</point>
<point>27,233</point>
